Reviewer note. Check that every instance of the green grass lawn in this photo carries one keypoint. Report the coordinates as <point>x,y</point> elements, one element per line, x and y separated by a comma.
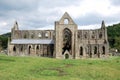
<point>37,68</point>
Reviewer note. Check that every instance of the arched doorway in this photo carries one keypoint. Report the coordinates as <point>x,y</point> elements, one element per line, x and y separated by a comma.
<point>103,49</point>
<point>37,50</point>
<point>95,50</point>
<point>67,40</point>
<point>66,56</point>
<point>21,49</point>
<point>81,51</point>
<point>29,50</point>
<point>14,49</point>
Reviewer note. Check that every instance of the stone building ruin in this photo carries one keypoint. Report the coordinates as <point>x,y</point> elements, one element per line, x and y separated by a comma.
<point>65,41</point>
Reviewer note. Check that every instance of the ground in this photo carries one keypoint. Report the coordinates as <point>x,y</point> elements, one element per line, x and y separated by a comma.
<point>36,68</point>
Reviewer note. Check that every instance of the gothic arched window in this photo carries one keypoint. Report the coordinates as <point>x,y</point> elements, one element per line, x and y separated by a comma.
<point>85,35</point>
<point>46,35</point>
<point>67,35</point>
<point>25,36</point>
<point>39,35</point>
<point>32,35</point>
<point>100,35</point>
<point>93,35</point>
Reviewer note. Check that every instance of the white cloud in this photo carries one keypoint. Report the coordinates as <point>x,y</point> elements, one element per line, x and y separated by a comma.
<point>102,7</point>
<point>4,27</point>
<point>49,27</point>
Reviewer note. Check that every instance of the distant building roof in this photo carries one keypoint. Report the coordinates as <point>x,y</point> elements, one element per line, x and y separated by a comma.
<point>32,41</point>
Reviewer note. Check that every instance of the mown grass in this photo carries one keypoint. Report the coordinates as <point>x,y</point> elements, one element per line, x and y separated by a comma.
<point>37,68</point>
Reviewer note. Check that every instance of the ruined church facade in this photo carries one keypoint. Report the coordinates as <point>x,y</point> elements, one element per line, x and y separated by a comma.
<point>65,41</point>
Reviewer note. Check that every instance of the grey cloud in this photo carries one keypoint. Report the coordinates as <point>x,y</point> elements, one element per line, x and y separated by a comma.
<point>89,19</point>
<point>115,2</point>
<point>18,4</point>
<point>58,3</point>
<point>95,18</point>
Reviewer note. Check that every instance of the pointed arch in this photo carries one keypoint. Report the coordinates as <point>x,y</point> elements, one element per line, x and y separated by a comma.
<point>14,49</point>
<point>66,16</point>
<point>29,50</point>
<point>67,40</point>
<point>103,49</point>
<point>81,51</point>
<point>66,56</point>
<point>25,34</point>
<point>37,49</point>
<point>21,49</point>
<point>95,50</point>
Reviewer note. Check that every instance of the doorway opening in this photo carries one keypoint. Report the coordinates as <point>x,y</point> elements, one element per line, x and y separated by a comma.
<point>66,56</point>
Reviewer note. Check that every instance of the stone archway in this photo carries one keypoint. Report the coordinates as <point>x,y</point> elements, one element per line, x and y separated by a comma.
<point>66,56</point>
<point>37,50</point>
<point>67,40</point>
<point>14,49</point>
<point>81,51</point>
<point>29,50</point>
<point>95,50</point>
<point>103,49</point>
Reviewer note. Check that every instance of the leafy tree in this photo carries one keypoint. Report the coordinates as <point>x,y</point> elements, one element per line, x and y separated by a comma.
<point>117,43</point>
<point>114,36</point>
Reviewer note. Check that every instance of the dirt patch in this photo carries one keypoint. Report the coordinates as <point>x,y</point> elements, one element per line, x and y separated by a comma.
<point>60,71</point>
<point>68,65</point>
<point>90,63</point>
<point>117,61</point>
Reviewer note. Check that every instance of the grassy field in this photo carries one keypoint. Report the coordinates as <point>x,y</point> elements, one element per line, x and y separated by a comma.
<point>36,68</point>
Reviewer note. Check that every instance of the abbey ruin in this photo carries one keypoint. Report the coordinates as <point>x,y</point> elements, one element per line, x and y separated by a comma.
<point>65,41</point>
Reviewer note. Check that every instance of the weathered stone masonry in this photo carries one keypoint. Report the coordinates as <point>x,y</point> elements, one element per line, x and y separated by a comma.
<point>66,41</point>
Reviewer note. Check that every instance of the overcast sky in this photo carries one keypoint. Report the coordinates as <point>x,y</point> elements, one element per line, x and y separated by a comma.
<point>41,14</point>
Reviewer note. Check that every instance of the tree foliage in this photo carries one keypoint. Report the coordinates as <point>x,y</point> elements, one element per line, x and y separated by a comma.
<point>4,40</point>
<point>114,36</point>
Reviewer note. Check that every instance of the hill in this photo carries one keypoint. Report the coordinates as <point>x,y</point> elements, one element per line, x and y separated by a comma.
<point>6,34</point>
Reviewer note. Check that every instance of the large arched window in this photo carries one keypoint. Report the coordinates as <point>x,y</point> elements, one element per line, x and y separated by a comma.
<point>100,35</point>
<point>67,40</point>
